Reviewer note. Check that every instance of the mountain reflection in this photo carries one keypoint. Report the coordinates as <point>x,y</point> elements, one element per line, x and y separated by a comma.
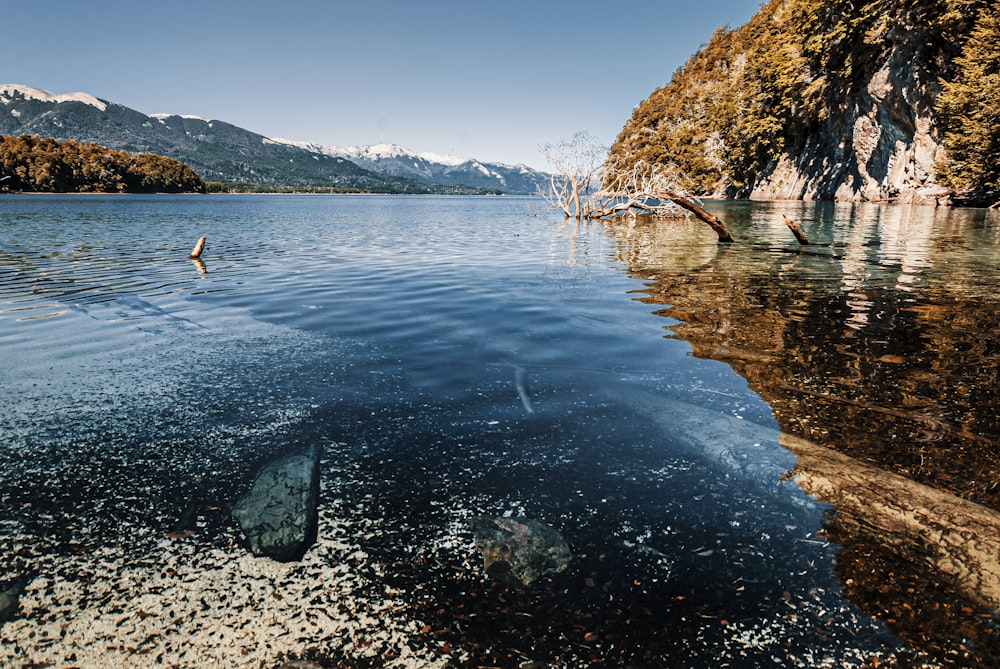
<point>880,341</point>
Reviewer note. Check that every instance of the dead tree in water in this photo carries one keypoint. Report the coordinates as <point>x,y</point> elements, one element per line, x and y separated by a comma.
<point>578,163</point>
<point>585,185</point>
<point>652,188</point>
<point>793,226</point>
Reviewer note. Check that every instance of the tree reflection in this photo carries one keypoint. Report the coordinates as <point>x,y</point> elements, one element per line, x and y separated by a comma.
<point>880,341</point>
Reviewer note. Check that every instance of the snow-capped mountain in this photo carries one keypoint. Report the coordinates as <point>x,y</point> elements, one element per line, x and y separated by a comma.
<point>216,150</point>
<point>434,168</point>
<point>220,151</point>
<point>8,91</point>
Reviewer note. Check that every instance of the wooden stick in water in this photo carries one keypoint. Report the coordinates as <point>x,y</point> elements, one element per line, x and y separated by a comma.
<point>198,248</point>
<point>793,226</point>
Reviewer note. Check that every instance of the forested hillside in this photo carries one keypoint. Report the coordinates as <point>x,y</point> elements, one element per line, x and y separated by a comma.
<point>29,163</point>
<point>834,99</point>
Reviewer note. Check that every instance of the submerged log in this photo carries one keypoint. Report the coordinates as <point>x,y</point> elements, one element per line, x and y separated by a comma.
<point>949,535</point>
<point>198,248</point>
<point>794,227</point>
<point>956,540</point>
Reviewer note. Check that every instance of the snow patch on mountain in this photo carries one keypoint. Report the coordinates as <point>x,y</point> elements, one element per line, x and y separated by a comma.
<point>189,117</point>
<point>223,152</point>
<point>398,161</point>
<point>374,152</point>
<point>8,91</point>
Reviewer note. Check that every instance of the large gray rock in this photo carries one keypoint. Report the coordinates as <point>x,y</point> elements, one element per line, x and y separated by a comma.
<point>279,514</point>
<point>518,551</point>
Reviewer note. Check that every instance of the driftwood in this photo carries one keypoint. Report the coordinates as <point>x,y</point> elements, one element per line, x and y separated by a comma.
<point>945,535</point>
<point>198,248</point>
<point>794,227</point>
<point>713,221</point>
<point>949,535</point>
<point>641,202</point>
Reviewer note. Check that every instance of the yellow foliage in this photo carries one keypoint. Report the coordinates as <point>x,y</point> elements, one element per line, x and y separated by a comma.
<point>34,164</point>
<point>754,93</point>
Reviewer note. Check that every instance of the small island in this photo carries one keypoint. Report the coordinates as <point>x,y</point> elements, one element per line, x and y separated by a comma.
<point>30,164</point>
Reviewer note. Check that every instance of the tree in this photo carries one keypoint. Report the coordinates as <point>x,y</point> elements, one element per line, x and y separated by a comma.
<point>969,109</point>
<point>587,184</point>
<point>30,163</point>
<point>578,163</point>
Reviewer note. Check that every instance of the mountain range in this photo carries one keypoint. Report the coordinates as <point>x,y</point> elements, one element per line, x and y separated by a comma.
<point>220,151</point>
<point>392,160</point>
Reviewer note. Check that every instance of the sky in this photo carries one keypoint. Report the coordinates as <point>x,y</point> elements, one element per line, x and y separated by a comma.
<point>487,80</point>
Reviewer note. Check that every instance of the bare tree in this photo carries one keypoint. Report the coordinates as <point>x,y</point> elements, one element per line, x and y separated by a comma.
<point>577,164</point>
<point>586,185</point>
<point>652,188</point>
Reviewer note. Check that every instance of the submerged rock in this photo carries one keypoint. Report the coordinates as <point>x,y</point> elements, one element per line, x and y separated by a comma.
<point>279,514</point>
<point>518,551</point>
<point>10,600</point>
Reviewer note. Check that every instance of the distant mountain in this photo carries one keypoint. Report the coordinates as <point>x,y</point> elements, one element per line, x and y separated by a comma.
<point>216,150</point>
<point>392,160</point>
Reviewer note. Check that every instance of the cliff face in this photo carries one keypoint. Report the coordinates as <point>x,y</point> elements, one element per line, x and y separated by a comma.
<point>811,100</point>
<point>884,147</point>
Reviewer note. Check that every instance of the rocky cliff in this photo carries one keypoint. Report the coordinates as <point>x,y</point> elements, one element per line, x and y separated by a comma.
<point>883,145</point>
<point>813,100</point>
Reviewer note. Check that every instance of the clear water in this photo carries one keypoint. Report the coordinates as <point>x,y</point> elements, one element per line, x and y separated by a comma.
<point>454,356</point>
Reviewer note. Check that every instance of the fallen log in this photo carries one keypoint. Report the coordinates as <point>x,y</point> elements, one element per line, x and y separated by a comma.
<point>943,535</point>
<point>794,227</point>
<point>713,221</point>
<point>641,202</point>
<point>950,535</point>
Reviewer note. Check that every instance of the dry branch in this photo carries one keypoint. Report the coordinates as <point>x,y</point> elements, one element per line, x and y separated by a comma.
<point>794,227</point>
<point>713,221</point>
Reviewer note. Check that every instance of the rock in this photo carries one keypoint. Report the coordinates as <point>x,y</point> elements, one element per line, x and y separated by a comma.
<point>279,514</point>
<point>10,600</point>
<point>517,551</point>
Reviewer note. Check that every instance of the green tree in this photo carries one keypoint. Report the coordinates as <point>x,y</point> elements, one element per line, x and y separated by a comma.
<point>969,110</point>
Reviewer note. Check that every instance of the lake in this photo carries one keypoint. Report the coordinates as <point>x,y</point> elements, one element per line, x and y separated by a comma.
<point>652,395</point>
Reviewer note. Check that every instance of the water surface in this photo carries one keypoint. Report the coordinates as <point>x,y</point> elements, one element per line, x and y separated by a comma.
<point>455,357</point>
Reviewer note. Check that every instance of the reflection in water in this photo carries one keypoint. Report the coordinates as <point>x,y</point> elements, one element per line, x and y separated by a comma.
<point>455,359</point>
<point>880,341</point>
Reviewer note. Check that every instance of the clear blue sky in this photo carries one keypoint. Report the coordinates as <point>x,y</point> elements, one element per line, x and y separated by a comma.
<point>488,80</point>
